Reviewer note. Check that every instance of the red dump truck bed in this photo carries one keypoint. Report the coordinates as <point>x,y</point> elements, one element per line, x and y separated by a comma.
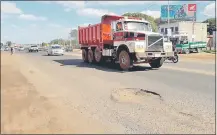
<point>97,34</point>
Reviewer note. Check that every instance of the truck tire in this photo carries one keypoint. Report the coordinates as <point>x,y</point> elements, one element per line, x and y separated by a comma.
<point>97,55</point>
<point>198,50</point>
<point>84,55</point>
<point>125,62</point>
<point>187,51</point>
<point>157,63</point>
<point>90,56</point>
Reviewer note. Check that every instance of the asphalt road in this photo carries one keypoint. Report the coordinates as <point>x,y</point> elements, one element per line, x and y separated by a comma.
<point>182,100</point>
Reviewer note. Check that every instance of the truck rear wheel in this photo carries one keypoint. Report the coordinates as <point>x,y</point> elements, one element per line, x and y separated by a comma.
<point>84,55</point>
<point>157,63</point>
<point>125,62</point>
<point>97,55</point>
<point>90,56</point>
<point>199,50</point>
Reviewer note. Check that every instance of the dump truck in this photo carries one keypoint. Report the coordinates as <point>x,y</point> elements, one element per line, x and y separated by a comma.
<point>123,40</point>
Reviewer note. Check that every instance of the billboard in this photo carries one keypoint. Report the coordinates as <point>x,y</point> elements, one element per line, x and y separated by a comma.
<point>185,12</point>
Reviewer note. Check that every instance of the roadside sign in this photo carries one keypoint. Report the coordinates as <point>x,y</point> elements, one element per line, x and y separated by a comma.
<point>192,7</point>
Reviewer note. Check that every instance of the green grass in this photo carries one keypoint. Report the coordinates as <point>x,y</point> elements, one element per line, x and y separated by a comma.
<point>210,51</point>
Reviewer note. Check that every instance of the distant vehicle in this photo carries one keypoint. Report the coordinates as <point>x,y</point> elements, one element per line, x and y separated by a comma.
<point>191,47</point>
<point>55,50</point>
<point>6,49</point>
<point>40,49</point>
<point>33,48</point>
<point>21,48</point>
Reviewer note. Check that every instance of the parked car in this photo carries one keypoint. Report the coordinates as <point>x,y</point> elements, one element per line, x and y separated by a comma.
<point>55,50</point>
<point>33,48</point>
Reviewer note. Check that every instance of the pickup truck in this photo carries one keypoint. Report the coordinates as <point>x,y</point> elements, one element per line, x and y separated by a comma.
<point>33,48</point>
<point>190,47</point>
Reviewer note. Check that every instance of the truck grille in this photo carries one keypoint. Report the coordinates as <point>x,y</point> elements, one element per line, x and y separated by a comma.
<point>158,46</point>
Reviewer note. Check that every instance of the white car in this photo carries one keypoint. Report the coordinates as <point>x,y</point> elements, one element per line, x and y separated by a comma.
<point>33,48</point>
<point>55,50</point>
<point>21,49</point>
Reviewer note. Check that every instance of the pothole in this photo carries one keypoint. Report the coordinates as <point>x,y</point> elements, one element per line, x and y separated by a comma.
<point>134,95</point>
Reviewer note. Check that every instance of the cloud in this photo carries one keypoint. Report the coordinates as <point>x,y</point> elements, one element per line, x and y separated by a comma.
<point>10,8</point>
<point>209,10</point>
<point>4,16</point>
<point>125,3</point>
<point>92,12</point>
<point>155,14</point>
<point>67,9</point>
<point>32,17</point>
<point>84,24</point>
<point>68,5</point>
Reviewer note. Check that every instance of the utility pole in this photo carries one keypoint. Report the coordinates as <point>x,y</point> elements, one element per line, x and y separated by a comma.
<point>193,30</point>
<point>168,20</point>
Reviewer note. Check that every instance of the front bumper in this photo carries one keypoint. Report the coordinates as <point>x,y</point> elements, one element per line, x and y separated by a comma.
<point>56,53</point>
<point>154,54</point>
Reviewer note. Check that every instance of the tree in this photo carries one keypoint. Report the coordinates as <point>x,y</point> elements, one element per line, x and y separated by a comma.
<point>44,44</point>
<point>211,25</point>
<point>9,43</point>
<point>146,17</point>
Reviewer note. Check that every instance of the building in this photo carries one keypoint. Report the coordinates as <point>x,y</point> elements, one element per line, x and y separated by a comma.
<point>194,31</point>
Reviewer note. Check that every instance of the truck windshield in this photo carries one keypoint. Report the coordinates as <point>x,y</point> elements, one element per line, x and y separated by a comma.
<point>137,26</point>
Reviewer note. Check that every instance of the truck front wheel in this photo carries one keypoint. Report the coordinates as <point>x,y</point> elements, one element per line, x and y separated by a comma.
<point>125,62</point>
<point>157,63</point>
<point>84,55</point>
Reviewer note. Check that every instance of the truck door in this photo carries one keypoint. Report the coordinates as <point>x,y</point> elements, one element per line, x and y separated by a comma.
<point>113,26</point>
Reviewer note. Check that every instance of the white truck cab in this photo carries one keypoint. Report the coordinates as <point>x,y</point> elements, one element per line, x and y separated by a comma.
<point>138,38</point>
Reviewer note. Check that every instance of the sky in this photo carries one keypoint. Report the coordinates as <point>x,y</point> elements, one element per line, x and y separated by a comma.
<point>26,22</point>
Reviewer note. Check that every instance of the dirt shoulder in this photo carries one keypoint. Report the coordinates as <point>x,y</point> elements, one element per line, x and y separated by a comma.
<point>25,111</point>
<point>198,56</point>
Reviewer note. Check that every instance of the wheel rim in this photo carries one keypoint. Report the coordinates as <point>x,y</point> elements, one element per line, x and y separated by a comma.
<point>175,59</point>
<point>124,60</point>
<point>90,56</point>
<point>98,55</point>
